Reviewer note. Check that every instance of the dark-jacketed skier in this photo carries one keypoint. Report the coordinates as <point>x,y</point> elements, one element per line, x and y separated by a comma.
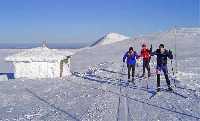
<point>146,55</point>
<point>162,55</point>
<point>130,58</point>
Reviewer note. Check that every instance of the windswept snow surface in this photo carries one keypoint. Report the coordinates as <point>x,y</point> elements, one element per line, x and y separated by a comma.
<point>109,39</point>
<point>97,90</point>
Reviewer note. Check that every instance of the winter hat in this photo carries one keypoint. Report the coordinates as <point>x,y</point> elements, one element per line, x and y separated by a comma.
<point>161,46</point>
<point>130,48</point>
<point>144,45</point>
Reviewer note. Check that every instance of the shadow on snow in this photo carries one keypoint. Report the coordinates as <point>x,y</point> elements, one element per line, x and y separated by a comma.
<point>52,105</point>
<point>77,74</point>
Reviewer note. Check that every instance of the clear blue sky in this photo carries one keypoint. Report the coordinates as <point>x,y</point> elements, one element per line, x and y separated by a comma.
<point>74,21</point>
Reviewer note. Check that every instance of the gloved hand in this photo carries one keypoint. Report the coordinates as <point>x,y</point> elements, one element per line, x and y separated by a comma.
<point>170,52</point>
<point>151,48</point>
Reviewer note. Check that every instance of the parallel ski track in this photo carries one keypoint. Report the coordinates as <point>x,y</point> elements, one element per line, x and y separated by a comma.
<point>119,103</point>
<point>133,99</point>
<point>126,106</point>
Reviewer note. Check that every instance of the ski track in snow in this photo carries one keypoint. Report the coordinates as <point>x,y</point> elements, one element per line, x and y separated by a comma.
<point>165,101</point>
<point>133,102</point>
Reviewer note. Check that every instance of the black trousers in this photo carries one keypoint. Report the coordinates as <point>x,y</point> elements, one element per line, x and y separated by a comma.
<point>131,67</point>
<point>165,70</point>
<point>146,66</point>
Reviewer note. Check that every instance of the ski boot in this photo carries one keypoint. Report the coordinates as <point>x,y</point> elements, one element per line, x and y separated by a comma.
<point>149,75</point>
<point>127,82</point>
<point>133,81</point>
<point>158,89</point>
<point>169,89</point>
<point>142,75</point>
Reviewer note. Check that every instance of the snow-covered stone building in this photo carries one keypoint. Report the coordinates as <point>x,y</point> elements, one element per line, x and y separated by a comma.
<point>41,62</point>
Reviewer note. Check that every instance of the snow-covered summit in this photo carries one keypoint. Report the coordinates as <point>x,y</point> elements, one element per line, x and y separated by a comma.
<point>110,38</point>
<point>39,54</point>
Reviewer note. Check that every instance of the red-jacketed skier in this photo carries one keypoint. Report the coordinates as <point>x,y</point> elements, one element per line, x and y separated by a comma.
<point>146,55</point>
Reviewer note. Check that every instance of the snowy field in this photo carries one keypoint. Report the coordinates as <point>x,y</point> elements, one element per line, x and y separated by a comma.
<point>97,89</point>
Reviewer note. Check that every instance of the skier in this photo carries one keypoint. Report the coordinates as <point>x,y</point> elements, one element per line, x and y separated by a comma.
<point>162,55</point>
<point>130,58</point>
<point>146,55</point>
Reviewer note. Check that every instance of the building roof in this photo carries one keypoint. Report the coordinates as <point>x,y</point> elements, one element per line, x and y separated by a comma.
<point>39,54</point>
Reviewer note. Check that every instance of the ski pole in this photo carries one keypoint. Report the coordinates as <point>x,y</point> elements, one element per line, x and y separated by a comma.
<point>173,73</point>
<point>122,72</point>
<point>123,68</point>
<point>147,82</point>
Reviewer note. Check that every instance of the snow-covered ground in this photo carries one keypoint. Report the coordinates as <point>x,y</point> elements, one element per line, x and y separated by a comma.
<point>97,90</point>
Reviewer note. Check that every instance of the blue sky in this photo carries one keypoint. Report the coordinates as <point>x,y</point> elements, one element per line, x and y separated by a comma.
<point>83,21</point>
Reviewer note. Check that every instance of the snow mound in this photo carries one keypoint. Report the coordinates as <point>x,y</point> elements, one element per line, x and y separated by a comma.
<point>39,54</point>
<point>109,39</point>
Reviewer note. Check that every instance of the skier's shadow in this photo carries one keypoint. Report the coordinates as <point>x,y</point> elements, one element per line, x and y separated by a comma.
<point>163,108</point>
<point>103,80</point>
<point>77,74</point>
<point>9,75</point>
<point>110,71</point>
<point>110,81</point>
<point>118,82</point>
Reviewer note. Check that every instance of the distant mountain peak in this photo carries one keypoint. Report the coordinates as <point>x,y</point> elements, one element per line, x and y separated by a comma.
<point>110,38</point>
